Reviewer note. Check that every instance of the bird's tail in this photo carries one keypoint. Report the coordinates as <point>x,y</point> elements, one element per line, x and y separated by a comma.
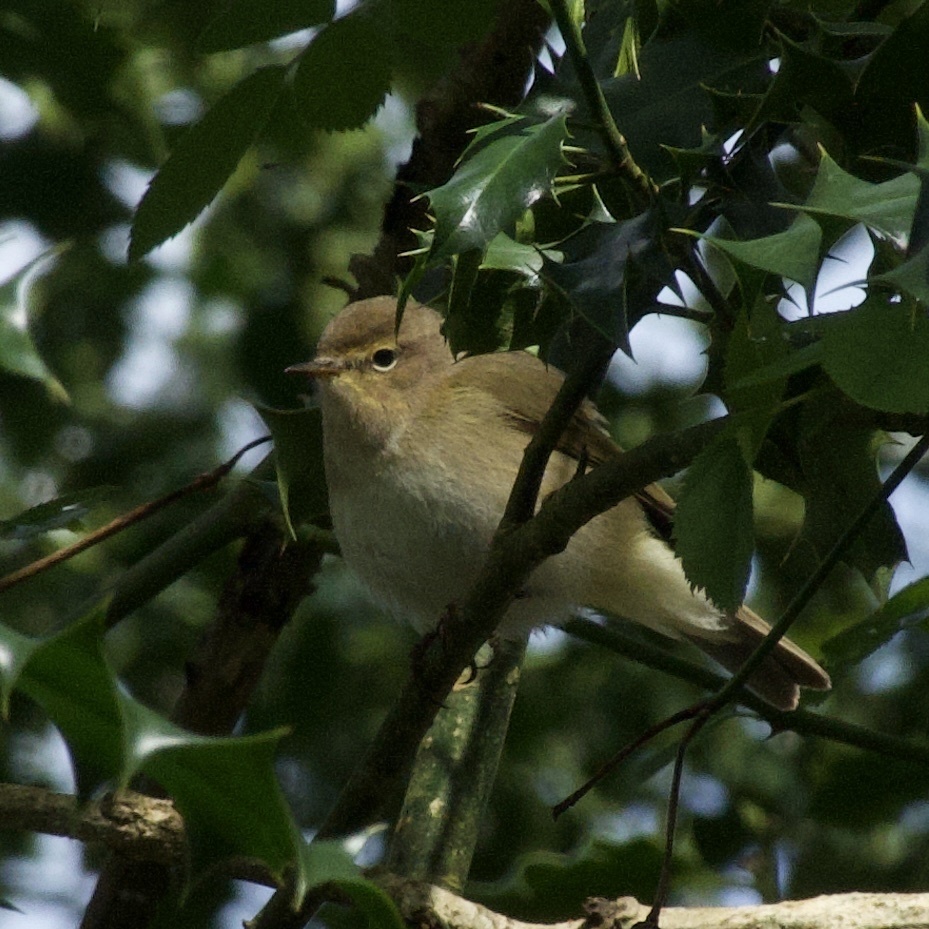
<point>780,676</point>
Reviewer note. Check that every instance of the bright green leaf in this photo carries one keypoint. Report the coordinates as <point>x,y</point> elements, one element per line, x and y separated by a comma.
<point>244,22</point>
<point>489,192</point>
<point>344,75</point>
<point>506,254</point>
<point>225,788</point>
<point>203,159</point>
<point>298,459</point>
<point>907,609</point>
<point>67,675</point>
<point>887,208</point>
<point>713,532</point>
<point>16,650</point>
<point>792,254</point>
<point>877,353</point>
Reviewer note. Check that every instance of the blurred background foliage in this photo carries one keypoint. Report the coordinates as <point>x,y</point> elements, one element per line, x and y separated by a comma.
<point>161,360</point>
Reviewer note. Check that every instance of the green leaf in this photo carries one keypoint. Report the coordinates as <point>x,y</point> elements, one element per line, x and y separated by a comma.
<point>506,254</point>
<point>877,354</point>
<point>792,363</point>
<point>907,609</point>
<point>225,788</point>
<point>68,677</point>
<point>713,532</point>
<point>887,208</point>
<point>18,353</point>
<point>64,512</point>
<point>910,277</point>
<point>805,78</point>
<point>792,254</point>
<point>322,861</point>
<point>892,80</point>
<point>374,903</point>
<point>203,159</point>
<point>298,458</point>
<point>244,22</point>
<point>490,191</point>
<point>344,75</point>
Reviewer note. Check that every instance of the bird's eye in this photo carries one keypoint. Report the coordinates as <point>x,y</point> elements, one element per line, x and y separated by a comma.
<point>384,359</point>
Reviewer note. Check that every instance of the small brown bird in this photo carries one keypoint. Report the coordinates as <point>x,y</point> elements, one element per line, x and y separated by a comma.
<point>421,452</point>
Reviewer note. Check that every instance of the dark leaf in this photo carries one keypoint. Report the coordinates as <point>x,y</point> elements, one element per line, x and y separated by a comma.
<point>877,354</point>
<point>593,274</point>
<point>713,532</point>
<point>204,158</point>
<point>344,75</point>
<point>244,22</point>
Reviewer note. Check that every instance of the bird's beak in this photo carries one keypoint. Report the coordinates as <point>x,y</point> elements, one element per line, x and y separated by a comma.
<point>318,367</point>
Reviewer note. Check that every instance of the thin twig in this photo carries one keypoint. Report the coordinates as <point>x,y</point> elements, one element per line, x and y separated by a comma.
<point>625,752</point>
<point>202,482</point>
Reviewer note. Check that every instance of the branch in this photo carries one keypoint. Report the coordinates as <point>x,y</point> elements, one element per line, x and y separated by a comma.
<point>145,828</point>
<point>426,905</point>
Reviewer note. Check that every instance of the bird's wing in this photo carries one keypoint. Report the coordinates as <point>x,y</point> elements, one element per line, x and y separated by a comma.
<point>525,387</point>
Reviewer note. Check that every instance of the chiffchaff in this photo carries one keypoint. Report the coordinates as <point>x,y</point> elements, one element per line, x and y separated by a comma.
<point>421,452</point>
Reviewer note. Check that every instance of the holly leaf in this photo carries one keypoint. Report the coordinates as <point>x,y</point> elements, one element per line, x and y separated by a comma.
<point>593,275</point>
<point>68,677</point>
<point>224,787</point>
<point>298,459</point>
<point>887,208</point>
<point>792,254</point>
<point>492,190</point>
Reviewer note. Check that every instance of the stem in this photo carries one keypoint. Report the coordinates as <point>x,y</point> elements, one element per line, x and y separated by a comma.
<point>614,140</point>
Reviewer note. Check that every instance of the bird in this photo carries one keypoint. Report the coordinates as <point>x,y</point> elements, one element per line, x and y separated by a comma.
<point>420,452</point>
